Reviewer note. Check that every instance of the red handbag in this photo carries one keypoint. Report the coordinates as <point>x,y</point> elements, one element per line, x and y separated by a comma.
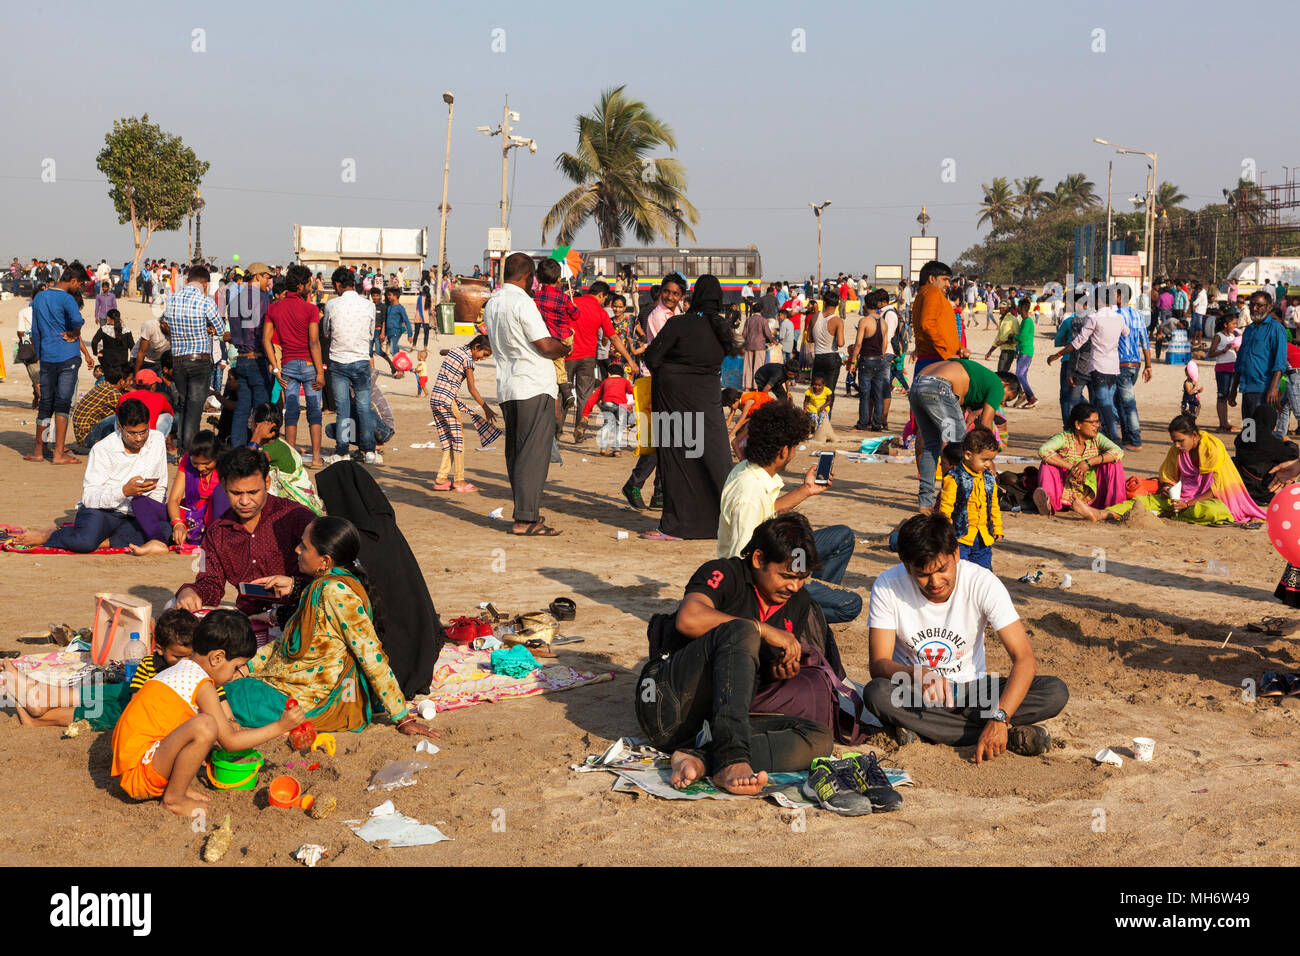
<point>462,630</point>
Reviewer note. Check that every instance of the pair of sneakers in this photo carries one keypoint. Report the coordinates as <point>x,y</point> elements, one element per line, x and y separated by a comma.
<point>633,495</point>
<point>852,785</point>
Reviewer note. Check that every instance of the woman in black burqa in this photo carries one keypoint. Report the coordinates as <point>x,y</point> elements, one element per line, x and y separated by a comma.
<point>413,634</point>
<point>685,362</point>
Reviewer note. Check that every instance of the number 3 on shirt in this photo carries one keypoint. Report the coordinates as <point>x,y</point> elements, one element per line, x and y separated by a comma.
<point>715,579</point>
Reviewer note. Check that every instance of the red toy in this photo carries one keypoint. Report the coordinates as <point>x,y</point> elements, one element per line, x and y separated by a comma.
<point>302,736</point>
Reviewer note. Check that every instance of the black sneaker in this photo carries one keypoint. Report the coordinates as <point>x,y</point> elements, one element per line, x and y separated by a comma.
<point>1030,740</point>
<point>832,787</point>
<point>873,783</point>
<point>902,736</point>
<point>633,495</point>
<point>657,501</point>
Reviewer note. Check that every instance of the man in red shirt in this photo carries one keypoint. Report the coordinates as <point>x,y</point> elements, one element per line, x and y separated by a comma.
<point>297,323</point>
<point>580,366</point>
<point>161,413</point>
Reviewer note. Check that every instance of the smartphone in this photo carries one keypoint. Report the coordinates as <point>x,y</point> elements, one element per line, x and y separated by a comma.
<point>827,460</point>
<point>256,590</point>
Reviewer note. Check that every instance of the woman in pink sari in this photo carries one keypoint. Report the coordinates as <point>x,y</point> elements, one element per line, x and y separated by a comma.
<point>1199,483</point>
<point>1080,469</point>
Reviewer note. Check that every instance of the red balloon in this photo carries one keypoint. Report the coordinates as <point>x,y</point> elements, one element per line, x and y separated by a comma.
<point>1284,523</point>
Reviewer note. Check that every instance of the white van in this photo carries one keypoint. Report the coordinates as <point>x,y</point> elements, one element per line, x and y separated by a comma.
<point>1251,273</point>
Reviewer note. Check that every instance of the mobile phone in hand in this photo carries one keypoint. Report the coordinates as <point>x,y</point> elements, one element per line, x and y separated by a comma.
<point>255,590</point>
<point>824,465</point>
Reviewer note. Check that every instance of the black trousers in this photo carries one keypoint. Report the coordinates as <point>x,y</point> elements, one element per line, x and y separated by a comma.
<point>713,678</point>
<point>897,702</point>
<point>530,432</point>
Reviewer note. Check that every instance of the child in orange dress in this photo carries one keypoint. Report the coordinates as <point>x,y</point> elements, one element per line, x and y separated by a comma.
<point>173,721</point>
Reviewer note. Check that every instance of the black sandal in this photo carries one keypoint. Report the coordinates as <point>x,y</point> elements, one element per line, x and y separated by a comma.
<point>563,609</point>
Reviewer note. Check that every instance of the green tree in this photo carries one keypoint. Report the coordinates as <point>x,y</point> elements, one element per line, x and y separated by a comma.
<point>1029,195</point>
<point>153,177</point>
<point>1169,198</point>
<point>999,204</point>
<point>619,185</point>
<point>1078,192</point>
<point>1246,200</point>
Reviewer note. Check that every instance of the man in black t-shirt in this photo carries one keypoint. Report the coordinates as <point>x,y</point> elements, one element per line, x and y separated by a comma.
<point>773,377</point>
<point>743,626</point>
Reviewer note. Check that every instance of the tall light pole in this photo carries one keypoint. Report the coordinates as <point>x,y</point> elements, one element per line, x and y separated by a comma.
<point>1149,227</point>
<point>442,209</point>
<point>817,211</point>
<point>1110,178</point>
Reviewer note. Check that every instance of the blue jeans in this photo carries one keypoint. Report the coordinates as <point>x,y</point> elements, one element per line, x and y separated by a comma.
<point>616,419</point>
<point>1103,393</point>
<point>344,380</point>
<point>1022,375</point>
<point>834,547</point>
<point>300,372</point>
<point>58,385</point>
<point>939,421</point>
<point>873,391</point>
<point>1290,405</point>
<point>93,525</point>
<point>254,378</point>
<point>1127,406</point>
<point>977,553</point>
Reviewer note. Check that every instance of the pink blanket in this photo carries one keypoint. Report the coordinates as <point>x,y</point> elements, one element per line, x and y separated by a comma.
<point>464,678</point>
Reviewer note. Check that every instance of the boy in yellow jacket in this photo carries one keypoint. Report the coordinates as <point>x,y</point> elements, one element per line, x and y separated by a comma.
<point>969,498</point>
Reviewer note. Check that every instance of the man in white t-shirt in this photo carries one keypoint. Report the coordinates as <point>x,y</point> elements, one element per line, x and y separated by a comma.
<point>927,619</point>
<point>525,352</point>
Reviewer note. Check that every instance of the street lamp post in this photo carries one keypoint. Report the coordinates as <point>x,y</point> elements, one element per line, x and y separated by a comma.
<point>442,209</point>
<point>1150,224</point>
<point>199,203</point>
<point>817,211</point>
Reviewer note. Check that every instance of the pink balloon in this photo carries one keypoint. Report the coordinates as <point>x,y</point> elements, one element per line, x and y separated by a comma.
<point>1284,523</point>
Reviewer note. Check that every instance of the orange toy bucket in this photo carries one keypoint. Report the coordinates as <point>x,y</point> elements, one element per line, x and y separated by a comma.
<point>285,792</point>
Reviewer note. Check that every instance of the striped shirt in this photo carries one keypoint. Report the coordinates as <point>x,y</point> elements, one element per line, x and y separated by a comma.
<point>153,665</point>
<point>454,368</point>
<point>188,313</point>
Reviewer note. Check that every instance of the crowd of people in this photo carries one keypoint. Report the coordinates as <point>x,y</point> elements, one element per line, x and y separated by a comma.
<point>749,649</point>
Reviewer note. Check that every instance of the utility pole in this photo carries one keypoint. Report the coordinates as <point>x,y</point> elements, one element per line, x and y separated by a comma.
<point>508,142</point>
<point>1110,176</point>
<point>817,211</point>
<point>443,210</point>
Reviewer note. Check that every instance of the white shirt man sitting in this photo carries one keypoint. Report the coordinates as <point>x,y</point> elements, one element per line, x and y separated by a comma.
<point>124,492</point>
<point>927,620</point>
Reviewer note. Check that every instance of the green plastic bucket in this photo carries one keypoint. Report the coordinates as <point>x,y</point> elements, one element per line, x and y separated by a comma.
<point>237,771</point>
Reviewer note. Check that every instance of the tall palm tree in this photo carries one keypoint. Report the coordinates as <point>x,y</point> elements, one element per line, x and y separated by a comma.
<point>1078,192</point>
<point>1030,196</point>
<point>999,203</point>
<point>1169,198</point>
<point>619,185</point>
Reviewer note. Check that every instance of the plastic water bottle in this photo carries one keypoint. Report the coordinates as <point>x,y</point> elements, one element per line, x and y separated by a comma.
<point>135,652</point>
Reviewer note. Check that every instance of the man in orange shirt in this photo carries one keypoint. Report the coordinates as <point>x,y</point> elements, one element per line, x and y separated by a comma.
<point>933,318</point>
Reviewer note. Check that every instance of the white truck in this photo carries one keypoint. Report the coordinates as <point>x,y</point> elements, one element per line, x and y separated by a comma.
<point>1251,274</point>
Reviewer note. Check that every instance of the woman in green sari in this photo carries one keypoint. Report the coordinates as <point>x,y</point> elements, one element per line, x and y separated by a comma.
<point>330,657</point>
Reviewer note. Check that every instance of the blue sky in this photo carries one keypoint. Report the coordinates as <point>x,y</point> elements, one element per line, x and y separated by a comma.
<point>865,117</point>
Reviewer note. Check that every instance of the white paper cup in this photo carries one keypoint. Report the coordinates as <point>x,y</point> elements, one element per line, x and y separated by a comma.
<point>1143,748</point>
<point>428,709</point>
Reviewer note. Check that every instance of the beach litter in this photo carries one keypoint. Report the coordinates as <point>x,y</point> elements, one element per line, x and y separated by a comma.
<point>397,774</point>
<point>398,830</point>
<point>309,854</point>
<point>1109,756</point>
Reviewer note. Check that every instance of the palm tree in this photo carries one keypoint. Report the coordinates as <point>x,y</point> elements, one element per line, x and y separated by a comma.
<point>1030,197</point>
<point>1246,199</point>
<point>999,203</point>
<point>1078,192</point>
<point>1168,199</point>
<point>619,185</point>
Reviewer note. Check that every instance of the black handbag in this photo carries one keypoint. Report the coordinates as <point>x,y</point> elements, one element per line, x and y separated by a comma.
<point>26,352</point>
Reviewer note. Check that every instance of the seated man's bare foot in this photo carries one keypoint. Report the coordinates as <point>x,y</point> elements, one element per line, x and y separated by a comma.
<point>740,778</point>
<point>687,768</point>
<point>149,547</point>
<point>34,539</point>
<point>183,806</point>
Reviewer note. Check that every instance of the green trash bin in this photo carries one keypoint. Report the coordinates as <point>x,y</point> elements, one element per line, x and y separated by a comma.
<point>446,318</point>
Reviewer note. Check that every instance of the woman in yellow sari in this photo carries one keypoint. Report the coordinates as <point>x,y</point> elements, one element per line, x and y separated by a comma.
<point>1210,489</point>
<point>330,657</point>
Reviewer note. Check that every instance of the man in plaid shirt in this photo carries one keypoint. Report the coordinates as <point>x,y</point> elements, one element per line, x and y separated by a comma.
<point>558,313</point>
<point>193,319</point>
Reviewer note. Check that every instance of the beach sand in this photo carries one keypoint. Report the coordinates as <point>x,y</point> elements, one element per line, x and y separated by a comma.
<point>1139,646</point>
